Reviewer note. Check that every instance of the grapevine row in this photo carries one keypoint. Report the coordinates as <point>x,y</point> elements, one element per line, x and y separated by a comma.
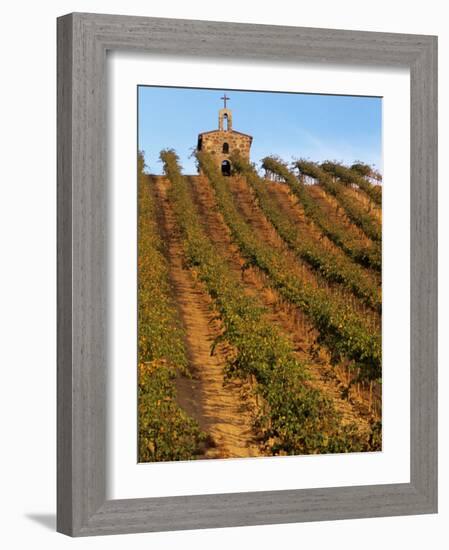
<point>294,418</point>
<point>354,212</point>
<point>350,176</point>
<point>166,432</point>
<point>343,331</point>
<point>365,256</point>
<point>332,267</point>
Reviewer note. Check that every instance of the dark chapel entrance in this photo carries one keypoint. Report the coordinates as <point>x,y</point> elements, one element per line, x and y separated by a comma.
<point>226,168</point>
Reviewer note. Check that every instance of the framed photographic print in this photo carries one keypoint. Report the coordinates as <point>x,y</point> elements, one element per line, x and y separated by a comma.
<point>246,274</point>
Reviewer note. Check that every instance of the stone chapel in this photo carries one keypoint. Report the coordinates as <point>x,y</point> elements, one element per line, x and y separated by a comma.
<point>222,142</point>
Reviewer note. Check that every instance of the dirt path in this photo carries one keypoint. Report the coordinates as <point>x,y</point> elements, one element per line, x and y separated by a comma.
<point>288,319</point>
<point>216,405</point>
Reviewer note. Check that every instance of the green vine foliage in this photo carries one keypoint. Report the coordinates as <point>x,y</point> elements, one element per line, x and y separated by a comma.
<point>166,432</point>
<point>332,267</point>
<point>341,330</point>
<point>355,175</point>
<point>293,417</point>
<point>369,256</point>
<point>362,169</point>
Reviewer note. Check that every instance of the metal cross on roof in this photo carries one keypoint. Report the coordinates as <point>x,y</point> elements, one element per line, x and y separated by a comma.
<point>225,98</point>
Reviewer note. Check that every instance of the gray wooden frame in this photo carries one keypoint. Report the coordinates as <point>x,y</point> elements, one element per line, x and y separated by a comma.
<point>83,40</point>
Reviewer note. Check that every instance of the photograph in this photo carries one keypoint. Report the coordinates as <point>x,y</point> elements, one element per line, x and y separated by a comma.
<point>259,274</point>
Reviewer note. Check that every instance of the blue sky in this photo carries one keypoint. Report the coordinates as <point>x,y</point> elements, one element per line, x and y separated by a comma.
<point>312,126</point>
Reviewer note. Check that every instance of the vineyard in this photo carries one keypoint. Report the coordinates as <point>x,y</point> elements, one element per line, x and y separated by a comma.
<point>259,310</point>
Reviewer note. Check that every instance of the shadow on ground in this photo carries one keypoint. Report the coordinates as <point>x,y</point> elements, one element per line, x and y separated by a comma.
<point>46,520</point>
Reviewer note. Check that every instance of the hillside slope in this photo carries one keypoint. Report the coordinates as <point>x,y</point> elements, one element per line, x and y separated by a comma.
<point>226,249</point>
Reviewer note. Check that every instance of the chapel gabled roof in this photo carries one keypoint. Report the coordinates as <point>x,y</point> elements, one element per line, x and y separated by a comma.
<point>224,131</point>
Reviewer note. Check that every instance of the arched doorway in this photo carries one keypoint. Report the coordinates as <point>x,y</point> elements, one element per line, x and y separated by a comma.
<point>226,168</point>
